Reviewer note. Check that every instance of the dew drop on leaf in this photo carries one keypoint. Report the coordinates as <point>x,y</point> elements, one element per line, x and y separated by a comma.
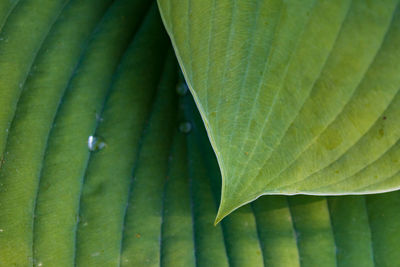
<point>95,254</point>
<point>185,127</point>
<point>96,143</point>
<point>182,89</point>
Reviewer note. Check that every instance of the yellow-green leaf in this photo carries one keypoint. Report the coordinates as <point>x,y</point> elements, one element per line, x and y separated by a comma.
<point>298,97</point>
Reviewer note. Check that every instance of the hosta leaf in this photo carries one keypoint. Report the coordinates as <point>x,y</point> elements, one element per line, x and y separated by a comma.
<point>298,97</point>
<point>67,63</point>
<point>147,192</point>
<point>304,230</point>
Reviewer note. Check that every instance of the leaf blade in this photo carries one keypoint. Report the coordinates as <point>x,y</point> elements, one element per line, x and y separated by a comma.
<point>279,118</point>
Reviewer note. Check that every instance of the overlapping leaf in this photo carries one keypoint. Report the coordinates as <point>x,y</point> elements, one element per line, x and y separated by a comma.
<point>297,96</point>
<point>149,197</point>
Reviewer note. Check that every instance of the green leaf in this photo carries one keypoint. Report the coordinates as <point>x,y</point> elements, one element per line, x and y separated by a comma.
<point>298,97</point>
<point>301,230</point>
<point>149,194</point>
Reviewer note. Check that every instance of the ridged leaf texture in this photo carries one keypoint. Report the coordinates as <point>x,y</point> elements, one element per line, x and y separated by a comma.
<point>79,68</point>
<point>298,97</point>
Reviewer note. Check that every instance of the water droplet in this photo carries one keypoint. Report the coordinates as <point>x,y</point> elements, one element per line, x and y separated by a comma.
<point>185,127</point>
<point>95,254</point>
<point>182,89</point>
<point>99,118</point>
<point>1,230</point>
<point>40,264</point>
<point>96,143</point>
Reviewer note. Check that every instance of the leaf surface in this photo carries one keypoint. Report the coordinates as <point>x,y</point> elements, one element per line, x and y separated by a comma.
<point>298,97</point>
<point>149,197</point>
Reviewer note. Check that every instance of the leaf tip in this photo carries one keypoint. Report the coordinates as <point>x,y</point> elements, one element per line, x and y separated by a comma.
<point>224,210</point>
<point>219,217</point>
